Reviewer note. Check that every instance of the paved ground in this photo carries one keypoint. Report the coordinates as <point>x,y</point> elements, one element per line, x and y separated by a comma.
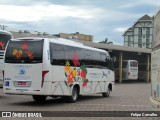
<point>125,97</point>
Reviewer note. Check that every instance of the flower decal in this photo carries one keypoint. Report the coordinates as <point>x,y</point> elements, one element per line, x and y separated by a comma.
<point>24,46</point>
<point>29,53</point>
<point>76,59</point>
<point>73,72</point>
<point>24,50</point>
<point>17,53</point>
<point>2,45</point>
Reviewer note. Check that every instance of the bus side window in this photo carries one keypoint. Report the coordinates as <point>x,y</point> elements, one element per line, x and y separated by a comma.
<point>74,53</point>
<point>91,58</point>
<point>68,54</point>
<point>57,54</point>
<point>103,60</point>
<point>97,62</point>
<point>109,63</point>
<point>88,58</point>
<point>80,54</point>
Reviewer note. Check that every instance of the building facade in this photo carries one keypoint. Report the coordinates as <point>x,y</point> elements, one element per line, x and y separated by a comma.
<point>26,33</point>
<point>140,34</point>
<point>77,34</point>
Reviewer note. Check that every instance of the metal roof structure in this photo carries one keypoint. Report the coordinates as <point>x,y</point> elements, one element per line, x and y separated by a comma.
<point>116,47</point>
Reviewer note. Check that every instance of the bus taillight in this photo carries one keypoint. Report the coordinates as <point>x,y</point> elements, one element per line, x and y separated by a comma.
<point>43,75</point>
<point>3,74</point>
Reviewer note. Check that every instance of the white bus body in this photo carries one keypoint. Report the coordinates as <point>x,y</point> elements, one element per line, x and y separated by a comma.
<point>155,65</point>
<point>5,36</point>
<point>44,67</point>
<point>129,70</point>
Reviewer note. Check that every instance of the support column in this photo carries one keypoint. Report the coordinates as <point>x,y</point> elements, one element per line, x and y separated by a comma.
<point>120,66</point>
<point>147,68</point>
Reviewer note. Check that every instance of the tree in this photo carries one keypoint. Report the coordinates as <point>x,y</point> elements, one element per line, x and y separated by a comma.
<point>106,41</point>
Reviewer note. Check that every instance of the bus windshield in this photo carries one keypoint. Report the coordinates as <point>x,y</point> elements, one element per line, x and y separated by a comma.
<point>133,64</point>
<point>24,52</point>
<point>3,40</point>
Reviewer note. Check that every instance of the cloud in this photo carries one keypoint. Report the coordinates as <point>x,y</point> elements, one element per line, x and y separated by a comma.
<point>107,19</point>
<point>39,12</point>
<point>121,29</point>
<point>132,4</point>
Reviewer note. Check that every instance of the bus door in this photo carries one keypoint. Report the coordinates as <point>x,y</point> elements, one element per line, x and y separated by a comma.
<point>23,64</point>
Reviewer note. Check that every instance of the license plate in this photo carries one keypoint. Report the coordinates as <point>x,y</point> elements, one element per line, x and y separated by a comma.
<point>20,83</point>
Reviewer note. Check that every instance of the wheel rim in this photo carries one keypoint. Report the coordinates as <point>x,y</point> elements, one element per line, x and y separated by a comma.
<point>108,92</point>
<point>74,94</point>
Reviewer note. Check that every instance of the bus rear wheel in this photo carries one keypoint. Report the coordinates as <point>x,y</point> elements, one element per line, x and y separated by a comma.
<point>73,98</point>
<point>39,98</point>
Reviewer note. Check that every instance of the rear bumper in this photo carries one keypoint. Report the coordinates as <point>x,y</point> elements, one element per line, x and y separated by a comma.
<point>22,91</point>
<point>155,104</point>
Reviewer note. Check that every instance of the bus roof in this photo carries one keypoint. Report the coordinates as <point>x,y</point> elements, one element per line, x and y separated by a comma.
<point>5,32</point>
<point>63,41</point>
<point>130,60</point>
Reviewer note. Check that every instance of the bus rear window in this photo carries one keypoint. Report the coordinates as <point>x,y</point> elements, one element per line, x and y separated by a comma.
<point>24,52</point>
<point>133,64</point>
<point>4,38</point>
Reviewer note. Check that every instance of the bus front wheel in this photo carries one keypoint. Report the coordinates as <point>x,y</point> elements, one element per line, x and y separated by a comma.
<point>39,98</point>
<point>107,93</point>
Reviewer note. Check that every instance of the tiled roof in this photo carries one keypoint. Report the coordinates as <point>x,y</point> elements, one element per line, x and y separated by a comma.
<point>145,17</point>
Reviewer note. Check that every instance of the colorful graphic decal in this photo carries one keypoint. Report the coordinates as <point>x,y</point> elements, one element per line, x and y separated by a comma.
<point>76,60</point>
<point>2,45</point>
<point>24,50</point>
<point>22,72</point>
<point>6,83</point>
<point>71,73</point>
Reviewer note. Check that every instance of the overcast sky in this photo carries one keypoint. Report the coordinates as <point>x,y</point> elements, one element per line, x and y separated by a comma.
<point>100,18</point>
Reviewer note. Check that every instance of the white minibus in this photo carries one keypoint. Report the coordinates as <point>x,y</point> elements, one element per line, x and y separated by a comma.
<point>5,36</point>
<point>56,67</point>
<point>130,70</point>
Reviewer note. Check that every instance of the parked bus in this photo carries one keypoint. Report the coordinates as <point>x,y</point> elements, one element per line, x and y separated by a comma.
<point>155,64</point>
<point>129,70</point>
<point>5,36</point>
<point>53,67</point>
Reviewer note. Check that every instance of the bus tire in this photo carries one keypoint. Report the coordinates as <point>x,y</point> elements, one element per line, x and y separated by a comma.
<point>39,98</point>
<point>73,98</point>
<point>106,94</point>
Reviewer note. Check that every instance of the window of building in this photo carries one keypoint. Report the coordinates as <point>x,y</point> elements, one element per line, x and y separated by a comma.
<point>140,31</point>
<point>139,41</point>
<point>147,31</point>
<point>140,45</point>
<point>129,40</point>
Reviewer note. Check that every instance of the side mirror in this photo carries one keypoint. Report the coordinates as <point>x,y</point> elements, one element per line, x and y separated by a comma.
<point>114,59</point>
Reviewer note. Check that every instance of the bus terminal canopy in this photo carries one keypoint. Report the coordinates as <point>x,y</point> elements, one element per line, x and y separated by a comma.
<point>116,47</point>
<point>121,53</point>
